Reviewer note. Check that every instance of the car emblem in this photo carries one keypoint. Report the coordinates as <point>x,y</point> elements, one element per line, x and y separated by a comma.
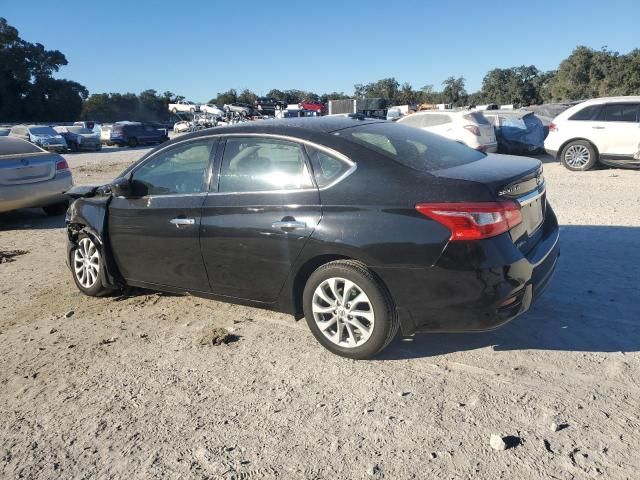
<point>24,161</point>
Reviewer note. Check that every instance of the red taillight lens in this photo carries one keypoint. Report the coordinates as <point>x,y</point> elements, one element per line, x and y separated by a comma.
<point>473,221</point>
<point>553,127</point>
<point>62,165</point>
<point>473,129</point>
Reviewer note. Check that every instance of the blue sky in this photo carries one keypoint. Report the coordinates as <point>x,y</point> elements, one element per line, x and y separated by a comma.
<point>199,48</point>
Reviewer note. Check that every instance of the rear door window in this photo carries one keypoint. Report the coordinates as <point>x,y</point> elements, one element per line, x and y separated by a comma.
<point>411,147</point>
<point>618,112</point>
<point>255,164</point>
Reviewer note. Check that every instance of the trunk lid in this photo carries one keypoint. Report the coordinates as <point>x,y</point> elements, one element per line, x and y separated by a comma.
<point>510,178</point>
<point>27,168</point>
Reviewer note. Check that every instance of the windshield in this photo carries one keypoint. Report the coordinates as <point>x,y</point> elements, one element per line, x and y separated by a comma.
<point>43,131</point>
<point>80,130</point>
<point>412,147</point>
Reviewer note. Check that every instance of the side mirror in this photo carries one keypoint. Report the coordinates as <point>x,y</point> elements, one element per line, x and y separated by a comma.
<point>121,187</point>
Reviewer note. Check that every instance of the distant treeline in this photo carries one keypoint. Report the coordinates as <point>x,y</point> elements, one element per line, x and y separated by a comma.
<point>28,91</point>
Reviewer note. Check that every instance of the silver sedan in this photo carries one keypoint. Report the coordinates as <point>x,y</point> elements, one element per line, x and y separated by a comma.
<point>32,177</point>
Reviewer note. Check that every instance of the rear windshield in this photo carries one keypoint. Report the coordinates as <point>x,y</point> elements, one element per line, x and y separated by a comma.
<point>43,131</point>
<point>14,146</point>
<point>476,117</point>
<point>411,147</point>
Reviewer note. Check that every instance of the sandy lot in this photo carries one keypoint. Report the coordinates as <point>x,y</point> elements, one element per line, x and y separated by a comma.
<point>121,386</point>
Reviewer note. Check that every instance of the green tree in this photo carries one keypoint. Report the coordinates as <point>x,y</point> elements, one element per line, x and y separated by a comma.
<point>247,96</point>
<point>28,90</point>
<point>454,91</point>
<point>230,96</point>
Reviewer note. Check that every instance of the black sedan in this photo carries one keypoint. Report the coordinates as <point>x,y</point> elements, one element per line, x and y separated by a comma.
<point>362,227</point>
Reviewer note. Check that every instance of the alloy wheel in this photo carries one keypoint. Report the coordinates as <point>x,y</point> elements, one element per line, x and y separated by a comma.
<point>577,156</point>
<point>343,312</point>
<point>86,263</point>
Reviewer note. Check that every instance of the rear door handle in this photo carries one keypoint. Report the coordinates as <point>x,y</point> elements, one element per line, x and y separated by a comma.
<point>178,222</point>
<point>598,128</point>
<point>289,225</point>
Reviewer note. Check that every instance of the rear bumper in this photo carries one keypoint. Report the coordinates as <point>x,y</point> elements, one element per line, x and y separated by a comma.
<point>38,194</point>
<point>553,153</point>
<point>474,286</point>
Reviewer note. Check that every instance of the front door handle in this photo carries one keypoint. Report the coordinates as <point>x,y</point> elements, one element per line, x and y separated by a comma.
<point>289,225</point>
<point>598,128</point>
<point>179,222</point>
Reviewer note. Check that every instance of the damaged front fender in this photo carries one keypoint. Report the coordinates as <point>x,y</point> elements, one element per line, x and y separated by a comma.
<point>88,214</point>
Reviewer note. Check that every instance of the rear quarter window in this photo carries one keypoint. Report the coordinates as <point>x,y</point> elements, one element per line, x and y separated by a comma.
<point>587,113</point>
<point>411,147</point>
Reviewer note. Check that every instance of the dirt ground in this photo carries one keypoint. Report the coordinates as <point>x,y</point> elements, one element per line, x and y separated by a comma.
<point>143,387</point>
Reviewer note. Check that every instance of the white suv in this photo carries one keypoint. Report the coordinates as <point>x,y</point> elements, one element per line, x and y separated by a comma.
<point>470,128</point>
<point>602,129</point>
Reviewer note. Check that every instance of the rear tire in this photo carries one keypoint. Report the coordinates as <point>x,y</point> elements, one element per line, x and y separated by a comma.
<point>56,209</point>
<point>348,310</point>
<point>578,156</point>
<point>133,142</point>
<point>87,266</point>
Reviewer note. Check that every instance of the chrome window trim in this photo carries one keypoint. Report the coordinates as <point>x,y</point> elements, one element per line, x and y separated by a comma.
<point>169,195</point>
<point>327,150</point>
<point>216,136</point>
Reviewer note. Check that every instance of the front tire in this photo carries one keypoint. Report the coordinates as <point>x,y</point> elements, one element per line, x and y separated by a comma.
<point>86,266</point>
<point>578,156</point>
<point>348,310</point>
<point>133,142</point>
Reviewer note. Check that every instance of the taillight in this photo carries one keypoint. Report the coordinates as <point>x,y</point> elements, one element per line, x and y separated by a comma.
<point>473,129</point>
<point>61,165</point>
<point>473,221</point>
<point>553,127</point>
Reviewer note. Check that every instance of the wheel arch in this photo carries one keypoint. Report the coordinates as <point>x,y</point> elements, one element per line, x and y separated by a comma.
<point>575,139</point>
<point>301,276</point>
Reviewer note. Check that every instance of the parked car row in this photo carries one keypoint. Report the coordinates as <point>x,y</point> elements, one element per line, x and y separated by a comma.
<point>90,135</point>
<point>579,135</point>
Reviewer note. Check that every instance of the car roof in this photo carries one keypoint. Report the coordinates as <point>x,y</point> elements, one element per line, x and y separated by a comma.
<point>595,101</point>
<point>289,126</point>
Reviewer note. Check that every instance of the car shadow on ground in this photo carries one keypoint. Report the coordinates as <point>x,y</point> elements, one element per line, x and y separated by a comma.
<point>29,219</point>
<point>591,305</point>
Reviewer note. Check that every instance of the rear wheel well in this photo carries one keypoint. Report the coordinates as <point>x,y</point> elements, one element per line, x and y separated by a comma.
<point>562,147</point>
<point>305,272</point>
<point>303,275</point>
